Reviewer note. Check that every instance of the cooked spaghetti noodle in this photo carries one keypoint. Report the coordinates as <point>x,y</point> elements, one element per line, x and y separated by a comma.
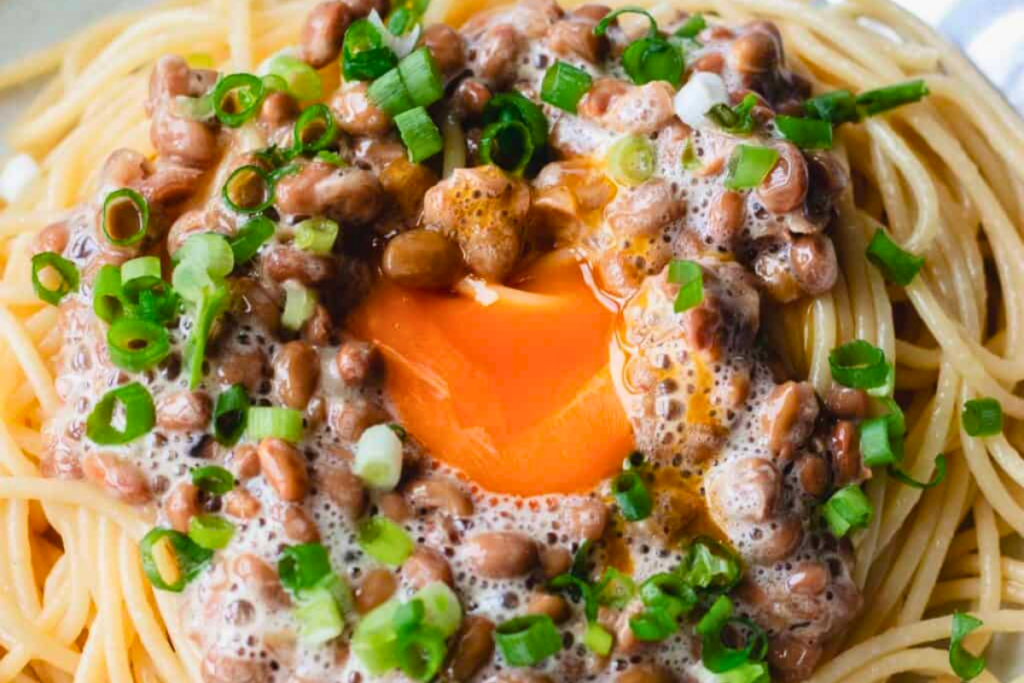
<point>945,176</point>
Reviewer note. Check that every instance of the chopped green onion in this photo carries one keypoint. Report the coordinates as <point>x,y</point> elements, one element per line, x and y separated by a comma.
<point>375,639</point>
<point>507,145</point>
<point>653,625</point>
<point>690,161</point>
<point>210,532</point>
<point>303,82</point>
<point>422,77</point>
<point>303,566</point>
<point>421,653</point>
<point>210,306</point>
<point>709,564</point>
<point>316,235</point>
<point>442,608</point>
<point>964,664</point>
<point>632,496</point>
<point>273,83</point>
<point>669,592</point>
<point>409,616</point>
<point>846,510</point>
<point>602,26</point>
<point>529,640</point>
<point>251,236</point>
<point>384,541</point>
<point>237,98</point>
<point>690,278</point>
<point>514,106</point>
<point>897,265</point>
<point>315,130</point>
<point>65,270</point>
<point>125,217</point>
<point>249,189</point>
<point>137,345</point>
<point>139,274</point>
<point>390,94</point>
<point>229,415</point>
<point>715,655</point>
<point>905,479</point>
<point>615,589</point>
<point>577,587</point>
<point>106,294</point>
<point>332,158</point>
<point>189,557</point>
<point>694,24</point>
<point>835,107</point>
<point>194,108</point>
<point>881,100</point>
<point>749,166</point>
<point>419,133</point>
<point>631,160</point>
<point>875,446</point>
<point>364,54</point>
<point>213,479</point>
<point>378,460</point>
<point>597,639</point>
<point>158,305</point>
<point>982,417</point>
<point>748,672</point>
<point>653,59</point>
<point>210,253</point>
<point>859,365</point>
<point>280,423</point>
<point>737,120</point>
<point>805,133</point>
<point>405,16</point>
<point>139,416</point>
<point>399,431</point>
<point>564,86</point>
<point>319,616</point>
<point>299,305</point>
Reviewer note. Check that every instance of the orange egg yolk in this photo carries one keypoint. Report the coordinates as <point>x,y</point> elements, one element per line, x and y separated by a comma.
<point>516,394</point>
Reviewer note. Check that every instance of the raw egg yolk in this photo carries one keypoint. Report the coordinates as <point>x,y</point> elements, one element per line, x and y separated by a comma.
<point>517,394</point>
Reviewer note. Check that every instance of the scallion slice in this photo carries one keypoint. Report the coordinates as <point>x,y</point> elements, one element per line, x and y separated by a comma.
<point>249,189</point>
<point>964,664</point>
<point>805,133</point>
<point>897,265</point>
<point>315,130</point>
<point>140,274</point>
<point>237,98</point>
<point>748,166</point>
<point>859,365</point>
<point>835,107</point>
<point>422,77</point>
<point>982,417</point>
<point>138,418</point>
<point>882,100</point>
<point>65,271</point>
<point>631,160</point>
<point>690,278</point>
<point>405,16</point>
<point>668,591</point>
<point>299,304</point>
<point>375,638</point>
<point>597,639</point>
<point>421,653</point>
<point>189,557</point>
<point>875,445</point>
<point>106,294</point>
<point>653,59</point>
<point>564,86</point>
<point>302,80</point>
<point>194,108</point>
<point>210,531</point>
<point>136,345</point>
<point>213,479</point>
<point>529,640</point>
<point>390,94</point>
<point>273,83</point>
<point>364,56</point>
<point>378,460</point>
<point>937,478</point>
<point>715,655</point>
<point>615,589</point>
<point>419,133</point>
<point>748,672</point>
<point>602,26</point>
<point>631,494</point>
<point>319,616</point>
<point>280,423</point>
<point>125,217</point>
<point>738,120</point>
<point>653,625</point>
<point>514,106</point>
<point>507,145</point>
<point>211,304</point>
<point>384,541</point>
<point>708,564</point>
<point>230,414</point>
<point>441,607</point>
<point>693,25</point>
<point>251,236</point>
<point>846,510</point>
<point>316,235</point>
<point>303,566</point>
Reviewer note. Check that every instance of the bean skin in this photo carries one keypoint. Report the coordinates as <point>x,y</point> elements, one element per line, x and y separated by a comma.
<point>423,259</point>
<point>284,469</point>
<point>241,504</point>
<point>184,411</point>
<point>473,648</point>
<point>345,490</point>
<point>356,361</point>
<point>442,494</point>
<point>121,478</point>
<point>426,566</point>
<point>376,588</point>
<point>501,554</point>
<point>446,46</point>
<point>323,32</point>
<point>181,505</point>
<point>296,374</point>
<point>553,606</point>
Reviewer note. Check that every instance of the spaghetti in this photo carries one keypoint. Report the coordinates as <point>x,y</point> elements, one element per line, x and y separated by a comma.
<point>944,176</point>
